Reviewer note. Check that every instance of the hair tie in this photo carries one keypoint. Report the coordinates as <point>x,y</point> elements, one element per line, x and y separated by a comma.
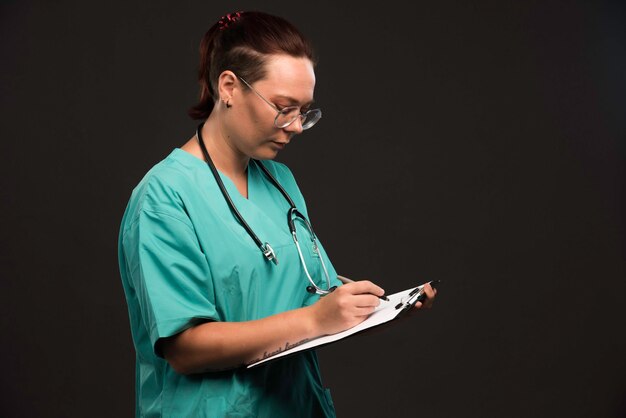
<point>225,21</point>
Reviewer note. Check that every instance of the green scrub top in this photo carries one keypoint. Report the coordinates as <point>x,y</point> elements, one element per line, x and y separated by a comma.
<point>185,259</point>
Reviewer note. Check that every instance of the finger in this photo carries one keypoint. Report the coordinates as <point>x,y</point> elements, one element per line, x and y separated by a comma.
<point>364,311</point>
<point>366,300</point>
<point>365,286</point>
<point>428,290</point>
<point>418,305</point>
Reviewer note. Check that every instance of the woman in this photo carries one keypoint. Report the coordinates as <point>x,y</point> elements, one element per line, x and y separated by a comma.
<point>212,274</point>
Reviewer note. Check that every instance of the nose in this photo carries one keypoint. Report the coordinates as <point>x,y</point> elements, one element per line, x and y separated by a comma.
<point>295,127</point>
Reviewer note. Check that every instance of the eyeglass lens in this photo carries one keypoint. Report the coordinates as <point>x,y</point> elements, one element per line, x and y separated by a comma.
<point>288,115</point>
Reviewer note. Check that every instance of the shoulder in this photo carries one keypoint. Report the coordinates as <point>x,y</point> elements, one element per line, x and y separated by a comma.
<point>287,180</point>
<point>161,188</point>
<point>279,170</point>
<point>283,174</point>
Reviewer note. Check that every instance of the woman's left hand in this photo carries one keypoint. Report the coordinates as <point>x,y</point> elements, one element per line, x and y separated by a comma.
<point>430,297</point>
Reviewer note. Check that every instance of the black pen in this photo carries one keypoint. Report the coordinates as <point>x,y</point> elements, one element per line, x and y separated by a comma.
<point>345,280</point>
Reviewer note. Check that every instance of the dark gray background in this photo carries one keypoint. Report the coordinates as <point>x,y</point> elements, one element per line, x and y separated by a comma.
<point>480,143</point>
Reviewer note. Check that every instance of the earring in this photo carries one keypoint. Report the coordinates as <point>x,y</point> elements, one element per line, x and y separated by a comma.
<point>227,103</point>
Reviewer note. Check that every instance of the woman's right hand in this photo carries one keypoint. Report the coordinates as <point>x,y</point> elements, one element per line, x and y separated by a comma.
<point>346,306</point>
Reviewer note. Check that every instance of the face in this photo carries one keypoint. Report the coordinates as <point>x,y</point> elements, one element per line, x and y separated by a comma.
<point>249,123</point>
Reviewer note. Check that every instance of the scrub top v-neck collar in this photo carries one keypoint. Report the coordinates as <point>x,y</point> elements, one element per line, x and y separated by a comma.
<point>253,203</point>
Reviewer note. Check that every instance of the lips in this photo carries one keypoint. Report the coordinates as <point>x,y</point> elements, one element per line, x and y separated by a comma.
<point>280,144</point>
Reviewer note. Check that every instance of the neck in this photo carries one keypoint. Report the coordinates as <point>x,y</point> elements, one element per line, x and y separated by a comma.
<point>225,156</point>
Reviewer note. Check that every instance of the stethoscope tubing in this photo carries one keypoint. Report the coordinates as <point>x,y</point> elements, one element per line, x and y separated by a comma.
<point>220,183</point>
<point>266,249</point>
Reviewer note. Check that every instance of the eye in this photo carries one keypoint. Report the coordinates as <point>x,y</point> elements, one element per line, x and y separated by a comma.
<point>284,106</point>
<point>288,109</point>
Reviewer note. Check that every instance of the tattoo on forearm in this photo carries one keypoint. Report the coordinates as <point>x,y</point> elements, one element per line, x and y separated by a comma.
<point>279,350</point>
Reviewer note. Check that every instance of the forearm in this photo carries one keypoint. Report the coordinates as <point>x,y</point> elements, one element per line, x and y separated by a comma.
<point>216,346</point>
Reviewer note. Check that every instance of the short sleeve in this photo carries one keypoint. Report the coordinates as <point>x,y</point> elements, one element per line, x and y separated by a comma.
<point>169,274</point>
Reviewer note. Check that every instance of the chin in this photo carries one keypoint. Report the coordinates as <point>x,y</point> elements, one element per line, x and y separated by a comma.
<point>265,155</point>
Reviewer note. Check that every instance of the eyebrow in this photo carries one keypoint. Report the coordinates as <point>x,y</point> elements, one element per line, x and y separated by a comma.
<point>293,101</point>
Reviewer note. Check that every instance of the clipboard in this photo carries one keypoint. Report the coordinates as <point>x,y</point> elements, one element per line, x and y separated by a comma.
<point>387,311</point>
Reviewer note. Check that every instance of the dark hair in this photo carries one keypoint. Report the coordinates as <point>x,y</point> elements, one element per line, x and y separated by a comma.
<point>241,42</point>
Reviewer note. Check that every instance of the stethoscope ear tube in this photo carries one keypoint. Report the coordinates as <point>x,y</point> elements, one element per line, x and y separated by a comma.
<point>269,253</point>
<point>292,225</point>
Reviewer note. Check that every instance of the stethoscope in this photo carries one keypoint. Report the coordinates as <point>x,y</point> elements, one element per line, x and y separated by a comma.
<point>292,215</point>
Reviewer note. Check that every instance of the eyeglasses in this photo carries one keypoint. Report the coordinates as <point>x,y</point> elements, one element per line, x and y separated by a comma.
<point>288,115</point>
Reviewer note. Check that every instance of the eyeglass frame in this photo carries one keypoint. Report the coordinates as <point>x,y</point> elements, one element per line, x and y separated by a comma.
<point>301,115</point>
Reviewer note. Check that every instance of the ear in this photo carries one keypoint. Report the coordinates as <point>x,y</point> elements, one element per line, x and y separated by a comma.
<point>225,85</point>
